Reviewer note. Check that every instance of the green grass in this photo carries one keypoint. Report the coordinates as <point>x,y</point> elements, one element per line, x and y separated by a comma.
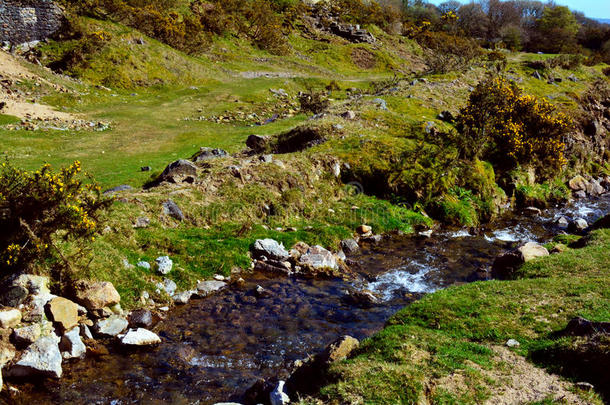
<point>541,194</point>
<point>451,331</point>
<point>220,228</point>
<point>8,119</point>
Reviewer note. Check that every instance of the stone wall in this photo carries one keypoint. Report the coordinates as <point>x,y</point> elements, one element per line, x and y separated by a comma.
<point>28,20</point>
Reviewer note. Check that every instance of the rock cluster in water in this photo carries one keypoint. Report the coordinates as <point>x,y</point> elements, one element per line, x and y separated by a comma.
<point>302,259</point>
<point>309,261</point>
<point>39,331</point>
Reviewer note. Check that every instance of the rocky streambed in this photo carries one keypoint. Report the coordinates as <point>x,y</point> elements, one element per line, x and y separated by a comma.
<point>214,349</point>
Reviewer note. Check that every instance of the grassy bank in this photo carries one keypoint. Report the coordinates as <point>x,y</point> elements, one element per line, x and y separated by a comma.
<point>447,347</point>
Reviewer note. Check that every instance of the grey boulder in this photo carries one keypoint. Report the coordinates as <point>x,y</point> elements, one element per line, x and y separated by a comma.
<point>179,171</point>
<point>110,327</point>
<point>319,258</point>
<point>71,345</point>
<point>208,154</point>
<point>182,298</point>
<point>170,208</point>
<point>205,288</point>
<point>505,265</point>
<point>9,318</point>
<point>27,335</point>
<point>168,286</point>
<point>164,264</point>
<point>140,318</point>
<point>42,358</point>
<point>271,249</point>
<point>350,246</point>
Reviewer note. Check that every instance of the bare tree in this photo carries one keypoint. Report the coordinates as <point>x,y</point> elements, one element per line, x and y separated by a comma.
<point>473,20</point>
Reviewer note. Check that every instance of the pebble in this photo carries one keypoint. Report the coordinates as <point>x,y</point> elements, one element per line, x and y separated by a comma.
<point>164,264</point>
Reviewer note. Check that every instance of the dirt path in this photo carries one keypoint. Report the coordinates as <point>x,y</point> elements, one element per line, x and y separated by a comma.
<point>512,380</point>
<point>15,102</point>
<point>522,382</point>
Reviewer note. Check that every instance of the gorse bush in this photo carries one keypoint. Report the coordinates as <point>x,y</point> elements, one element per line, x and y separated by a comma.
<point>568,62</point>
<point>38,206</point>
<point>444,52</point>
<point>259,21</point>
<point>264,27</point>
<point>381,14</point>
<point>189,29</point>
<point>80,55</point>
<point>508,128</point>
<point>154,18</point>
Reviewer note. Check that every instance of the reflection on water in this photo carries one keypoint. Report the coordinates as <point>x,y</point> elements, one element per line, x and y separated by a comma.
<point>216,348</point>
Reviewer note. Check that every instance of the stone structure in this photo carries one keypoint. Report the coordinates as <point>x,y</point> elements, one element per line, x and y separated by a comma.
<point>24,21</point>
<point>352,33</point>
<point>325,19</point>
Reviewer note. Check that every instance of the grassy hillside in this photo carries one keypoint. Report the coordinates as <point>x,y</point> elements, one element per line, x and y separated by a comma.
<point>163,105</point>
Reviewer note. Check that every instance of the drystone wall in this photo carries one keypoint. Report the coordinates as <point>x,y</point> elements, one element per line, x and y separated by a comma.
<point>28,20</point>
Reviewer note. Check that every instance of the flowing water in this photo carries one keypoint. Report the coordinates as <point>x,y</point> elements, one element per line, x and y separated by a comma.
<point>214,349</point>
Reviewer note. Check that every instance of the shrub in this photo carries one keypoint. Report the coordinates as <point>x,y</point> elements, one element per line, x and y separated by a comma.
<point>38,206</point>
<point>188,29</point>
<point>496,61</point>
<point>79,57</point>
<point>314,102</point>
<point>264,27</point>
<point>257,20</point>
<point>568,62</point>
<point>183,32</point>
<point>445,52</point>
<point>155,18</point>
<point>384,15</point>
<point>606,71</point>
<point>508,128</point>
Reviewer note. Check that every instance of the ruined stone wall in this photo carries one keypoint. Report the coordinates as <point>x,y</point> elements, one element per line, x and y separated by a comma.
<point>28,20</point>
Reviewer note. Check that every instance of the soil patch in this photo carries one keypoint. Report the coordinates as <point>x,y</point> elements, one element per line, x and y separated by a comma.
<point>522,382</point>
<point>363,58</point>
<point>298,139</point>
<point>16,101</point>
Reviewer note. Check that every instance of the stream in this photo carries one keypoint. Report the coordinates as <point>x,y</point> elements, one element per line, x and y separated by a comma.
<point>214,349</point>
